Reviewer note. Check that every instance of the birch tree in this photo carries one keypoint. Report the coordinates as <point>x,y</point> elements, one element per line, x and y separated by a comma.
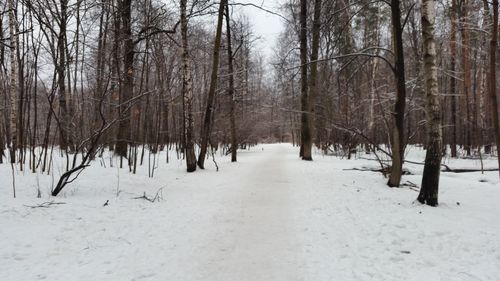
<point>13,80</point>
<point>430,179</point>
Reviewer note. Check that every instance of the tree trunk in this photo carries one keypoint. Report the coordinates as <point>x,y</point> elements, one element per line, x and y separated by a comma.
<point>430,179</point>
<point>313,78</point>
<point>493,78</point>
<point>3,133</point>
<point>453,83</point>
<point>187,93</point>
<point>467,78</point>
<point>100,89</point>
<point>207,122</point>
<point>305,119</point>
<point>127,84</point>
<point>64,142</point>
<point>399,108</point>
<point>13,81</point>
<point>234,143</point>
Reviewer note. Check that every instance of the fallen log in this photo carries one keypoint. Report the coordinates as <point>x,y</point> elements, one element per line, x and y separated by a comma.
<point>446,169</point>
<point>458,171</point>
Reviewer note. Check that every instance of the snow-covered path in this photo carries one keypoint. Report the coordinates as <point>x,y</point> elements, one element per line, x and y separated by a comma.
<point>268,217</point>
<point>262,244</point>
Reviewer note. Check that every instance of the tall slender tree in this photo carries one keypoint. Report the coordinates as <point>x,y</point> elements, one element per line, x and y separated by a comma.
<point>187,92</point>
<point>466,65</point>
<point>207,120</point>
<point>230,65</point>
<point>397,136</point>
<point>313,78</point>
<point>64,123</point>
<point>453,83</point>
<point>127,79</point>
<point>493,78</point>
<point>430,179</point>
<point>305,116</point>
<point>13,80</point>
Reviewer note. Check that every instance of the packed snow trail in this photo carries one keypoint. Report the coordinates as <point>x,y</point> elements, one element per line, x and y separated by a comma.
<point>263,245</point>
<point>269,217</point>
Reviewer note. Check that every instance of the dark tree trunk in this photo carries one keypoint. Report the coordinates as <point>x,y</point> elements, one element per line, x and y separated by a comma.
<point>493,78</point>
<point>127,83</point>
<point>64,140</point>
<point>399,107</point>
<point>305,116</point>
<point>234,142</point>
<point>467,77</point>
<point>207,121</point>
<point>453,83</point>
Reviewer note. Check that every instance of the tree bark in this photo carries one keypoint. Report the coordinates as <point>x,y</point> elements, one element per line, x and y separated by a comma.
<point>399,108</point>
<point>64,141</point>
<point>313,78</point>
<point>430,179</point>
<point>207,121</point>
<point>453,83</point>
<point>234,142</point>
<point>13,81</point>
<point>127,84</point>
<point>3,123</point>
<point>493,78</point>
<point>187,93</point>
<point>305,116</point>
<point>467,78</point>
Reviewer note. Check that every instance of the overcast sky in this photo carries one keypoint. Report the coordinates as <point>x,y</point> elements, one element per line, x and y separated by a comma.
<point>265,25</point>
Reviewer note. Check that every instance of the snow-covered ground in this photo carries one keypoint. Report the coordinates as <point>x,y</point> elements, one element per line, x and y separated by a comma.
<point>268,217</point>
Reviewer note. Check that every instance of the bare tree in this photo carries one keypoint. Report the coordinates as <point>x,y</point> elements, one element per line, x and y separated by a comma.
<point>127,77</point>
<point>231,93</point>
<point>493,78</point>
<point>397,137</point>
<point>305,116</point>
<point>187,93</point>
<point>13,81</point>
<point>453,83</point>
<point>430,179</point>
<point>207,120</point>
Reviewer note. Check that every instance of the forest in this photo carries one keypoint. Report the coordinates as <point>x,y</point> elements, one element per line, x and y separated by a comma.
<point>120,101</point>
<point>131,76</point>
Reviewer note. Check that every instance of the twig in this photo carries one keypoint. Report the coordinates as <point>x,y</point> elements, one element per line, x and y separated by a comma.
<point>45,204</point>
<point>411,185</point>
<point>157,198</point>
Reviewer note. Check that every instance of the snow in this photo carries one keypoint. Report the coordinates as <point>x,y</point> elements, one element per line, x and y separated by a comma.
<point>270,216</point>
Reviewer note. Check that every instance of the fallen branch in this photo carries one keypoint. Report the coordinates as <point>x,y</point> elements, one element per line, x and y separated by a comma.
<point>45,204</point>
<point>446,168</point>
<point>411,185</point>
<point>384,171</point>
<point>157,198</point>
<point>457,171</point>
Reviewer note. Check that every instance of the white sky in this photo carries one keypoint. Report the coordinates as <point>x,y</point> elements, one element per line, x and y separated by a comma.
<point>264,25</point>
